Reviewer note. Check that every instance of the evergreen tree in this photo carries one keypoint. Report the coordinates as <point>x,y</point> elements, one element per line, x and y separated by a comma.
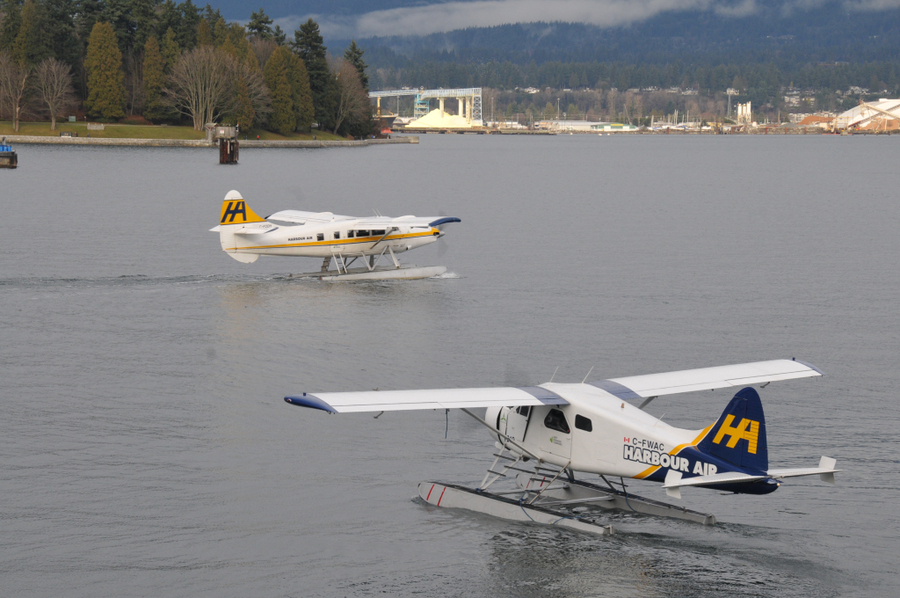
<point>169,16</point>
<point>354,55</point>
<point>204,34</point>
<point>309,46</point>
<point>186,25</point>
<point>301,94</point>
<point>279,36</point>
<point>62,40</point>
<point>143,15</point>
<point>106,90</point>
<point>220,32</point>
<point>12,20</point>
<point>245,114</point>
<point>170,50</point>
<point>154,81</point>
<point>212,16</point>
<point>260,25</point>
<point>276,74</point>
<point>118,14</point>
<point>29,47</point>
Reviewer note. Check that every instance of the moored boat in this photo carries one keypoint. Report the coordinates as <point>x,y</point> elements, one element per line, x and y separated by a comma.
<point>8,157</point>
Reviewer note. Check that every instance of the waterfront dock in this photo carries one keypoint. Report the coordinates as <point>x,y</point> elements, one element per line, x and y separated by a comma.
<point>204,143</point>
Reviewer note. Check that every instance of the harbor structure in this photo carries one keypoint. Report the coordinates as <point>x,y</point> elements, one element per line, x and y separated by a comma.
<point>469,102</point>
<point>883,115</point>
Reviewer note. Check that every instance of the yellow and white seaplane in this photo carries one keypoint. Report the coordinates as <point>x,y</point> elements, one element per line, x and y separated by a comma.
<point>601,428</point>
<point>340,239</point>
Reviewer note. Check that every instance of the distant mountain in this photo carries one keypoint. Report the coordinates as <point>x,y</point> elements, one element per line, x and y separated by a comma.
<point>826,34</point>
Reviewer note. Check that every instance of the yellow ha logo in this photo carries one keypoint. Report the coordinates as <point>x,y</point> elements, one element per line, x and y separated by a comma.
<point>747,430</point>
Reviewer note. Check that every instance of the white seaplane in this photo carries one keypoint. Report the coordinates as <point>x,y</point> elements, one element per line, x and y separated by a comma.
<point>594,428</point>
<point>342,239</point>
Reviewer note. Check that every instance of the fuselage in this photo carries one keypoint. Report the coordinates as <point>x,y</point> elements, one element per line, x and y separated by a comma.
<point>338,237</point>
<point>599,433</point>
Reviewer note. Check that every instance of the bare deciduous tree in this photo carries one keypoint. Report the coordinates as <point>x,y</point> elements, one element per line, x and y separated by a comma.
<point>208,84</point>
<point>353,103</point>
<point>53,83</point>
<point>13,87</point>
<point>201,85</point>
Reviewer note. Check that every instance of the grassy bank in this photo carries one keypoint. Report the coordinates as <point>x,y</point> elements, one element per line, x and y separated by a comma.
<point>128,131</point>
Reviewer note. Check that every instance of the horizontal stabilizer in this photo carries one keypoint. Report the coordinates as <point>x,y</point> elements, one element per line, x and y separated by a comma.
<point>825,471</point>
<point>716,479</point>
<point>445,398</point>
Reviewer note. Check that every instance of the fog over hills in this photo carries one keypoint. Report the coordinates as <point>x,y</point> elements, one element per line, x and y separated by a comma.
<point>831,33</point>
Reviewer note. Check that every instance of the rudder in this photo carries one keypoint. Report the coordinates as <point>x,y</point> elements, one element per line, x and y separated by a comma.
<point>739,435</point>
<point>236,211</point>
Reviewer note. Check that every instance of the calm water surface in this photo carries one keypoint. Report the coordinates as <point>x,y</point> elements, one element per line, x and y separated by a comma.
<point>146,449</point>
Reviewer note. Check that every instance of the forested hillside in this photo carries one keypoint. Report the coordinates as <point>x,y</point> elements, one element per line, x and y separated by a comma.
<point>815,52</point>
<point>167,62</point>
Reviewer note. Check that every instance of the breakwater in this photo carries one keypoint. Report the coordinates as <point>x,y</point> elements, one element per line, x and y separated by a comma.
<point>203,143</point>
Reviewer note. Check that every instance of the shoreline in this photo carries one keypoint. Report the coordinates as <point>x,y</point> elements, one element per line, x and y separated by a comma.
<point>203,143</point>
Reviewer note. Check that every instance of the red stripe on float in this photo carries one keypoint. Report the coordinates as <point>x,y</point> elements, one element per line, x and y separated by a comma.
<point>429,493</point>
<point>442,495</point>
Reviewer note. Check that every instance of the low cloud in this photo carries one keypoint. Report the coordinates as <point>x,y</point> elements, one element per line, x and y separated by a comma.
<point>448,16</point>
<point>434,18</point>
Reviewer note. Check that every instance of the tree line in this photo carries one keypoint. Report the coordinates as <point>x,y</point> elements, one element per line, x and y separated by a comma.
<point>166,62</point>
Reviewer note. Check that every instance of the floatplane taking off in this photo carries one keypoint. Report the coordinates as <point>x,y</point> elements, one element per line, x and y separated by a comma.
<point>342,239</point>
<point>547,433</point>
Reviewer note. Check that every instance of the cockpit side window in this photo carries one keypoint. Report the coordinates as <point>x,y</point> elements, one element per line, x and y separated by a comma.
<point>583,423</point>
<point>555,420</point>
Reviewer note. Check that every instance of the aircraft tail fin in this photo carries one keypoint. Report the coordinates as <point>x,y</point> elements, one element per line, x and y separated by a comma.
<point>234,216</point>
<point>236,211</point>
<point>739,435</point>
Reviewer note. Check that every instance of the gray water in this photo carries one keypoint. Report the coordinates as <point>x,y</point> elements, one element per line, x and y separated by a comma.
<point>145,449</point>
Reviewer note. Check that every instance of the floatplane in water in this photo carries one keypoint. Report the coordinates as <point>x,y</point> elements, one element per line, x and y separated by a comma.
<point>548,435</point>
<point>340,240</point>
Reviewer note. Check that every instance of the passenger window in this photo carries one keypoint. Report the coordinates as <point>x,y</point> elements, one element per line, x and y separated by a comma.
<point>524,411</point>
<point>320,237</point>
<point>583,423</point>
<point>555,420</point>
<point>337,235</point>
<point>349,234</point>
<point>362,233</point>
<point>378,232</point>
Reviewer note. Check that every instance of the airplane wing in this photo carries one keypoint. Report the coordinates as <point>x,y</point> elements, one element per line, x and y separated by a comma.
<point>301,217</point>
<point>445,398</point>
<point>411,221</point>
<point>725,376</point>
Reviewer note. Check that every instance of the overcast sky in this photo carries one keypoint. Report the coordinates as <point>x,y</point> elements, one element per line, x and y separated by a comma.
<point>347,19</point>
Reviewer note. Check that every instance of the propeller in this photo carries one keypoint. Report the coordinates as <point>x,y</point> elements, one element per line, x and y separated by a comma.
<point>440,224</point>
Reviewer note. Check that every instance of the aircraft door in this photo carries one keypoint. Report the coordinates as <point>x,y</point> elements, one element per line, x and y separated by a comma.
<point>556,435</point>
<point>517,423</point>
